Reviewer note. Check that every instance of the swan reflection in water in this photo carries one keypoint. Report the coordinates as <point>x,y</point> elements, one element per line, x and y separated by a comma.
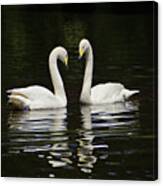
<point>41,132</point>
<point>44,134</point>
<point>100,123</point>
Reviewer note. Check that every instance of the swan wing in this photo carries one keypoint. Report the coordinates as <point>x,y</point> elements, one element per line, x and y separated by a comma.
<point>34,97</point>
<point>106,93</point>
<point>111,93</point>
<point>31,93</point>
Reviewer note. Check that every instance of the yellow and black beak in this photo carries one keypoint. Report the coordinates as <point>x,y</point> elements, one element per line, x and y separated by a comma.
<point>81,52</point>
<point>66,60</point>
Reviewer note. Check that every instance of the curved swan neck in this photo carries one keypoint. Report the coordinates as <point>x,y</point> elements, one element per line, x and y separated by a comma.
<point>55,76</point>
<point>87,82</point>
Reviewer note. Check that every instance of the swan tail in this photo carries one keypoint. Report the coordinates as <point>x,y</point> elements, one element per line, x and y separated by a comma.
<point>18,91</point>
<point>18,102</point>
<point>9,91</point>
<point>129,93</point>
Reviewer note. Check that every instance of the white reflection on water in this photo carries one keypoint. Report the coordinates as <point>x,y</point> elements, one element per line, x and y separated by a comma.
<point>43,132</point>
<point>101,122</point>
<point>38,121</point>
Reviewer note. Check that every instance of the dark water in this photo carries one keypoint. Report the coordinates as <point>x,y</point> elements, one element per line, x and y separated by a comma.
<point>108,142</point>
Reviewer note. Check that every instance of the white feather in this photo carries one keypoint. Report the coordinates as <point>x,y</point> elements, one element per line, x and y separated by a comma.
<point>38,97</point>
<point>101,93</point>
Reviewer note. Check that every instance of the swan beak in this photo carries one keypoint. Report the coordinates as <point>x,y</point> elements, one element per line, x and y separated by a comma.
<point>81,52</point>
<point>66,61</point>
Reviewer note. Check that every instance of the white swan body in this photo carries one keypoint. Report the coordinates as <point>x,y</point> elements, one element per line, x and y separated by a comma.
<point>38,97</point>
<point>101,93</point>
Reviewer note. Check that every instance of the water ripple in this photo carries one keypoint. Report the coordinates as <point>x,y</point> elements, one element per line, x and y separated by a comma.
<point>46,134</point>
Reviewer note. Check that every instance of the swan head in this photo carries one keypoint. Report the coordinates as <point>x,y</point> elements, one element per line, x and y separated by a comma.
<point>60,53</point>
<point>84,46</point>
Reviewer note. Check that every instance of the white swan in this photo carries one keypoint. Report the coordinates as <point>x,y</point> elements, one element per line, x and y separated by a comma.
<point>38,97</point>
<point>102,93</point>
